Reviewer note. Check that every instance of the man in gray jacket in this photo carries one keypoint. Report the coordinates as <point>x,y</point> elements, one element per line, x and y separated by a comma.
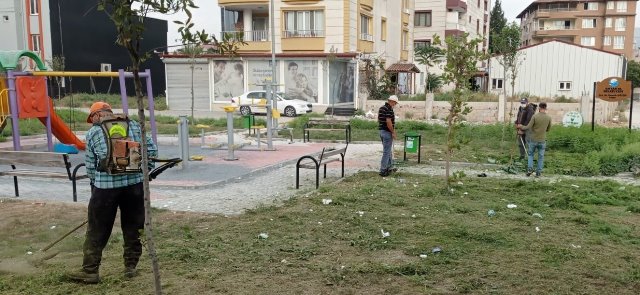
<point>539,125</point>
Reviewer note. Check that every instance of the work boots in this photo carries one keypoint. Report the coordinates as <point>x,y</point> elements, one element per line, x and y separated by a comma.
<point>82,276</point>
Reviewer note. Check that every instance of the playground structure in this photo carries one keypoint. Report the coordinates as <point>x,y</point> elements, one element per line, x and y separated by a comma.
<point>25,95</point>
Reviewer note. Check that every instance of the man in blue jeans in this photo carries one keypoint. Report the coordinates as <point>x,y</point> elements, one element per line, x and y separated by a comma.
<point>539,125</point>
<point>386,125</point>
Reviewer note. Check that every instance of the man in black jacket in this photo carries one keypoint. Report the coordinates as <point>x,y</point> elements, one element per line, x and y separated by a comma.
<point>525,112</point>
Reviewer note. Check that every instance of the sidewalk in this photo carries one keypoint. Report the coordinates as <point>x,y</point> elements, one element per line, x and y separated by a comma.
<point>212,185</point>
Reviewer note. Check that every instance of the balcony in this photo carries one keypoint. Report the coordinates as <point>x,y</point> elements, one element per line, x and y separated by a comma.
<point>454,29</point>
<point>555,12</point>
<point>303,40</point>
<point>457,5</point>
<point>555,31</point>
<point>256,40</point>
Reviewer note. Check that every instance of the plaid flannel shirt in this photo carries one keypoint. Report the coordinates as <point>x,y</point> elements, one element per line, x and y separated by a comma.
<point>97,149</point>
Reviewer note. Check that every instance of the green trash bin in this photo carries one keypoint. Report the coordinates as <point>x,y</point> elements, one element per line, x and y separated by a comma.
<point>247,121</point>
<point>412,142</point>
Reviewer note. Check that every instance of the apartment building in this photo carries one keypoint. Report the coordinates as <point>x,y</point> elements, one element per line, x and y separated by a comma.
<point>320,47</point>
<point>25,25</point>
<point>598,24</point>
<point>451,18</point>
<point>62,29</point>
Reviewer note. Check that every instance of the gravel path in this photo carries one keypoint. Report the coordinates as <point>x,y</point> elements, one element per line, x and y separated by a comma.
<point>268,187</point>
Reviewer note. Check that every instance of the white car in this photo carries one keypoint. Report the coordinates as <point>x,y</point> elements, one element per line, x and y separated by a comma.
<point>250,102</point>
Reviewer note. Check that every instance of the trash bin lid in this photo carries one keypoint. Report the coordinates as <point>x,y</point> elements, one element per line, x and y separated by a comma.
<point>411,133</point>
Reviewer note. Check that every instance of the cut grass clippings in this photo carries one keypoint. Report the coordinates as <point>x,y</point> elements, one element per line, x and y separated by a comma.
<point>587,242</point>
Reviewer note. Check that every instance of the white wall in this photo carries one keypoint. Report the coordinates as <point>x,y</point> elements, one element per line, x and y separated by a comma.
<point>544,66</point>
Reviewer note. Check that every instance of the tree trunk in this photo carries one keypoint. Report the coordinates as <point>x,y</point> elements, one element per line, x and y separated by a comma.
<point>193,98</point>
<point>148,228</point>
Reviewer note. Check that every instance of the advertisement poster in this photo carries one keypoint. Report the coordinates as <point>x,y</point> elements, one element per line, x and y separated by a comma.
<point>228,79</point>
<point>259,74</point>
<point>341,85</point>
<point>301,80</point>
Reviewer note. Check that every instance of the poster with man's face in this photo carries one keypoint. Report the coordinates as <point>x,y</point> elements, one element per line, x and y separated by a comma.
<point>341,83</point>
<point>228,79</point>
<point>259,74</point>
<point>301,80</point>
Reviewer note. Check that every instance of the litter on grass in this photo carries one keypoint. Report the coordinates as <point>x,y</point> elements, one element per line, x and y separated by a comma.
<point>512,206</point>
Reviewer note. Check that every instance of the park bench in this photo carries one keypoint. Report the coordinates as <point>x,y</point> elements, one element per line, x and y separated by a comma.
<point>328,155</point>
<point>40,159</point>
<point>322,124</point>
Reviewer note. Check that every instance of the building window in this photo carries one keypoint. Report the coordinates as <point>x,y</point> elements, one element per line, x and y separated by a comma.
<point>621,6</point>
<point>608,22</point>
<point>35,43</point>
<point>365,28</point>
<point>610,5</point>
<point>486,5</point>
<point>591,6</point>
<point>422,19</point>
<point>588,23</point>
<point>421,43</point>
<point>304,23</point>
<point>405,40</point>
<point>564,85</point>
<point>607,41</point>
<point>618,42</point>
<point>33,7</point>
<point>588,41</point>
<point>496,83</point>
<point>621,24</point>
<point>383,25</point>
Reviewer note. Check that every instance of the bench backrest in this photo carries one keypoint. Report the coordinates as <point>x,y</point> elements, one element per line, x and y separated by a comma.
<point>328,153</point>
<point>43,159</point>
<point>327,122</point>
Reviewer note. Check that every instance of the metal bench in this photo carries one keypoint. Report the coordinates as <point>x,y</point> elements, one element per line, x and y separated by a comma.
<point>328,155</point>
<point>326,125</point>
<point>40,159</point>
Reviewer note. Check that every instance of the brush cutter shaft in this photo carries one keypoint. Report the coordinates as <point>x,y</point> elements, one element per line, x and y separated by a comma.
<point>65,235</point>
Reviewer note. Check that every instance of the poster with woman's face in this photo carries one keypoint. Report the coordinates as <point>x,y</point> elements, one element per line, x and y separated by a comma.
<point>228,79</point>
<point>259,74</point>
<point>341,83</point>
<point>301,80</point>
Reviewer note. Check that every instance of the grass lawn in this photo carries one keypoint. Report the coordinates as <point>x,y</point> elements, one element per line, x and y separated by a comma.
<point>587,242</point>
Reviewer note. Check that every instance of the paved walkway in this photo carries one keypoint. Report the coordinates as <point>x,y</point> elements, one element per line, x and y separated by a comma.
<point>213,185</point>
<point>256,178</point>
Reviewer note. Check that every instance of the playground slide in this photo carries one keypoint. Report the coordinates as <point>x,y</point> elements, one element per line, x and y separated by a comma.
<point>61,131</point>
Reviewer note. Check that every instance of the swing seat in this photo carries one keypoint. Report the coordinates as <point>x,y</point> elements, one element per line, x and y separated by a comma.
<point>65,148</point>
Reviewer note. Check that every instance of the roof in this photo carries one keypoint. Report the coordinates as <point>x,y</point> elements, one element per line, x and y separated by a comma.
<point>555,1</point>
<point>403,68</point>
<point>568,43</point>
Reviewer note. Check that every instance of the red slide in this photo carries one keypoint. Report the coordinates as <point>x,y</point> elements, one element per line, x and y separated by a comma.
<point>61,131</point>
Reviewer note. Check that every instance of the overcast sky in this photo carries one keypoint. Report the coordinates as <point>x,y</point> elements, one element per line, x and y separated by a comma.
<point>206,17</point>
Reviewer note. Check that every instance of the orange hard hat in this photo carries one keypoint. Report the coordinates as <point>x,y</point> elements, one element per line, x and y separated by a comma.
<point>96,107</point>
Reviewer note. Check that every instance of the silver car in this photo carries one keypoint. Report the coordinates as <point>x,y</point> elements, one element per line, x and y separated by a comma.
<point>254,102</point>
